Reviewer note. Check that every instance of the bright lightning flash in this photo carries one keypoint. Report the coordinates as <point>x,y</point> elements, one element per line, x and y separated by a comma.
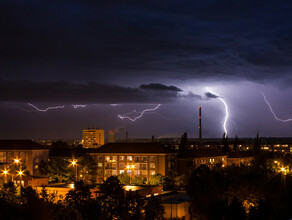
<point>275,116</point>
<point>46,109</point>
<point>226,110</point>
<point>126,116</point>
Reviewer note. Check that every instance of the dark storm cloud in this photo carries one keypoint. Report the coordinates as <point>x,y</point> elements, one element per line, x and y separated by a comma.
<point>211,95</point>
<point>81,40</point>
<point>85,93</point>
<point>161,87</point>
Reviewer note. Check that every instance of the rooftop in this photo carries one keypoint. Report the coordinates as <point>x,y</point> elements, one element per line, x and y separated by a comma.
<point>240,154</point>
<point>198,153</point>
<point>151,148</point>
<point>20,145</point>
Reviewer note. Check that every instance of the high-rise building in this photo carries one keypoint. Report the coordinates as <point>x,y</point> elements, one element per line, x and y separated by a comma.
<point>93,138</point>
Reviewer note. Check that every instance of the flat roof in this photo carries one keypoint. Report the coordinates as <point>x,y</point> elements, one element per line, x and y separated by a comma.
<point>20,145</point>
<point>149,148</point>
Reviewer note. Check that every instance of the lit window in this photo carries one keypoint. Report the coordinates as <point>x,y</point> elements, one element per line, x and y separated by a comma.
<point>99,164</point>
<point>122,171</point>
<point>130,158</point>
<point>122,158</point>
<point>152,165</point>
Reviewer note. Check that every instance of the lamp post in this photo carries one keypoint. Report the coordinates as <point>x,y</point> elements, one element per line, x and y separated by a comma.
<point>20,173</point>
<point>5,172</point>
<point>131,167</point>
<point>74,164</point>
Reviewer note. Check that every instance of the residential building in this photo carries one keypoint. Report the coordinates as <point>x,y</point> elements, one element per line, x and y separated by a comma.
<point>24,151</point>
<point>136,159</point>
<point>93,138</point>
<point>208,157</point>
<point>239,158</point>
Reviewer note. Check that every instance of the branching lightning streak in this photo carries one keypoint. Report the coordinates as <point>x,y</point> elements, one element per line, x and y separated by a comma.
<point>226,110</point>
<point>44,110</point>
<point>275,116</point>
<point>79,106</point>
<point>125,116</point>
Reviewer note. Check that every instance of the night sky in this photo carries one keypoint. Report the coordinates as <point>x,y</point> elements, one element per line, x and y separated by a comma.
<point>120,57</point>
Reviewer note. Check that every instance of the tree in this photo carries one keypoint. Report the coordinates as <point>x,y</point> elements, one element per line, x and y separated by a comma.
<point>257,144</point>
<point>124,178</point>
<point>112,198</point>
<point>226,148</point>
<point>88,168</point>
<point>79,202</point>
<point>59,170</point>
<point>157,180</point>
<point>153,208</point>
<point>137,180</point>
<point>183,145</point>
<point>134,205</point>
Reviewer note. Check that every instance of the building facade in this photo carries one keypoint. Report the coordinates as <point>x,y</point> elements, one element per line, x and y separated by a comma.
<point>93,138</point>
<point>240,158</point>
<point>24,152</point>
<point>135,159</point>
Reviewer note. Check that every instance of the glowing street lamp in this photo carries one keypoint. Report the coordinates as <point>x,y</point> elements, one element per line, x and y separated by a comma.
<point>74,163</point>
<point>20,173</point>
<point>130,167</point>
<point>5,173</point>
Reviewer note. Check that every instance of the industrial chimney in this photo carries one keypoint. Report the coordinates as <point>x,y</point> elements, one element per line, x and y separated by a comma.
<point>200,123</point>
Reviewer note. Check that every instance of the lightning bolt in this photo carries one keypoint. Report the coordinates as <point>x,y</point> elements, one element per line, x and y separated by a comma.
<point>125,116</point>
<point>79,106</point>
<point>46,109</point>
<point>275,116</point>
<point>226,110</point>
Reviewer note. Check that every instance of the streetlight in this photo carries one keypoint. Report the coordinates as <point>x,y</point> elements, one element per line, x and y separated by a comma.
<point>5,172</point>
<point>20,173</point>
<point>130,167</point>
<point>74,163</point>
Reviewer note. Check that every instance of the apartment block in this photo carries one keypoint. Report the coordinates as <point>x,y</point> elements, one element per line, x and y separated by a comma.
<point>25,151</point>
<point>136,159</point>
<point>93,138</point>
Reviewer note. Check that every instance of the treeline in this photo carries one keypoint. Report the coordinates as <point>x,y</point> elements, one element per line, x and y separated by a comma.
<point>113,202</point>
<point>260,191</point>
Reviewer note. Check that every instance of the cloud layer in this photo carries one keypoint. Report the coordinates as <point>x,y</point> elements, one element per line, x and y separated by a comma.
<point>85,93</point>
<point>132,40</point>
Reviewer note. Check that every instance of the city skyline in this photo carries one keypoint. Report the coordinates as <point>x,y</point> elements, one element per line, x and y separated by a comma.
<point>102,64</point>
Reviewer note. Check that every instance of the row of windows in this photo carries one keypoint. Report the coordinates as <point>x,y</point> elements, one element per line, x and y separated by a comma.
<point>137,166</point>
<point>128,158</point>
<point>10,156</point>
<point>209,160</point>
<point>129,172</point>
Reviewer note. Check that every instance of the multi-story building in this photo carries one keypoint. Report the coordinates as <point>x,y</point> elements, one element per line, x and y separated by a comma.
<point>136,159</point>
<point>198,157</point>
<point>240,158</point>
<point>23,151</point>
<point>93,138</point>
